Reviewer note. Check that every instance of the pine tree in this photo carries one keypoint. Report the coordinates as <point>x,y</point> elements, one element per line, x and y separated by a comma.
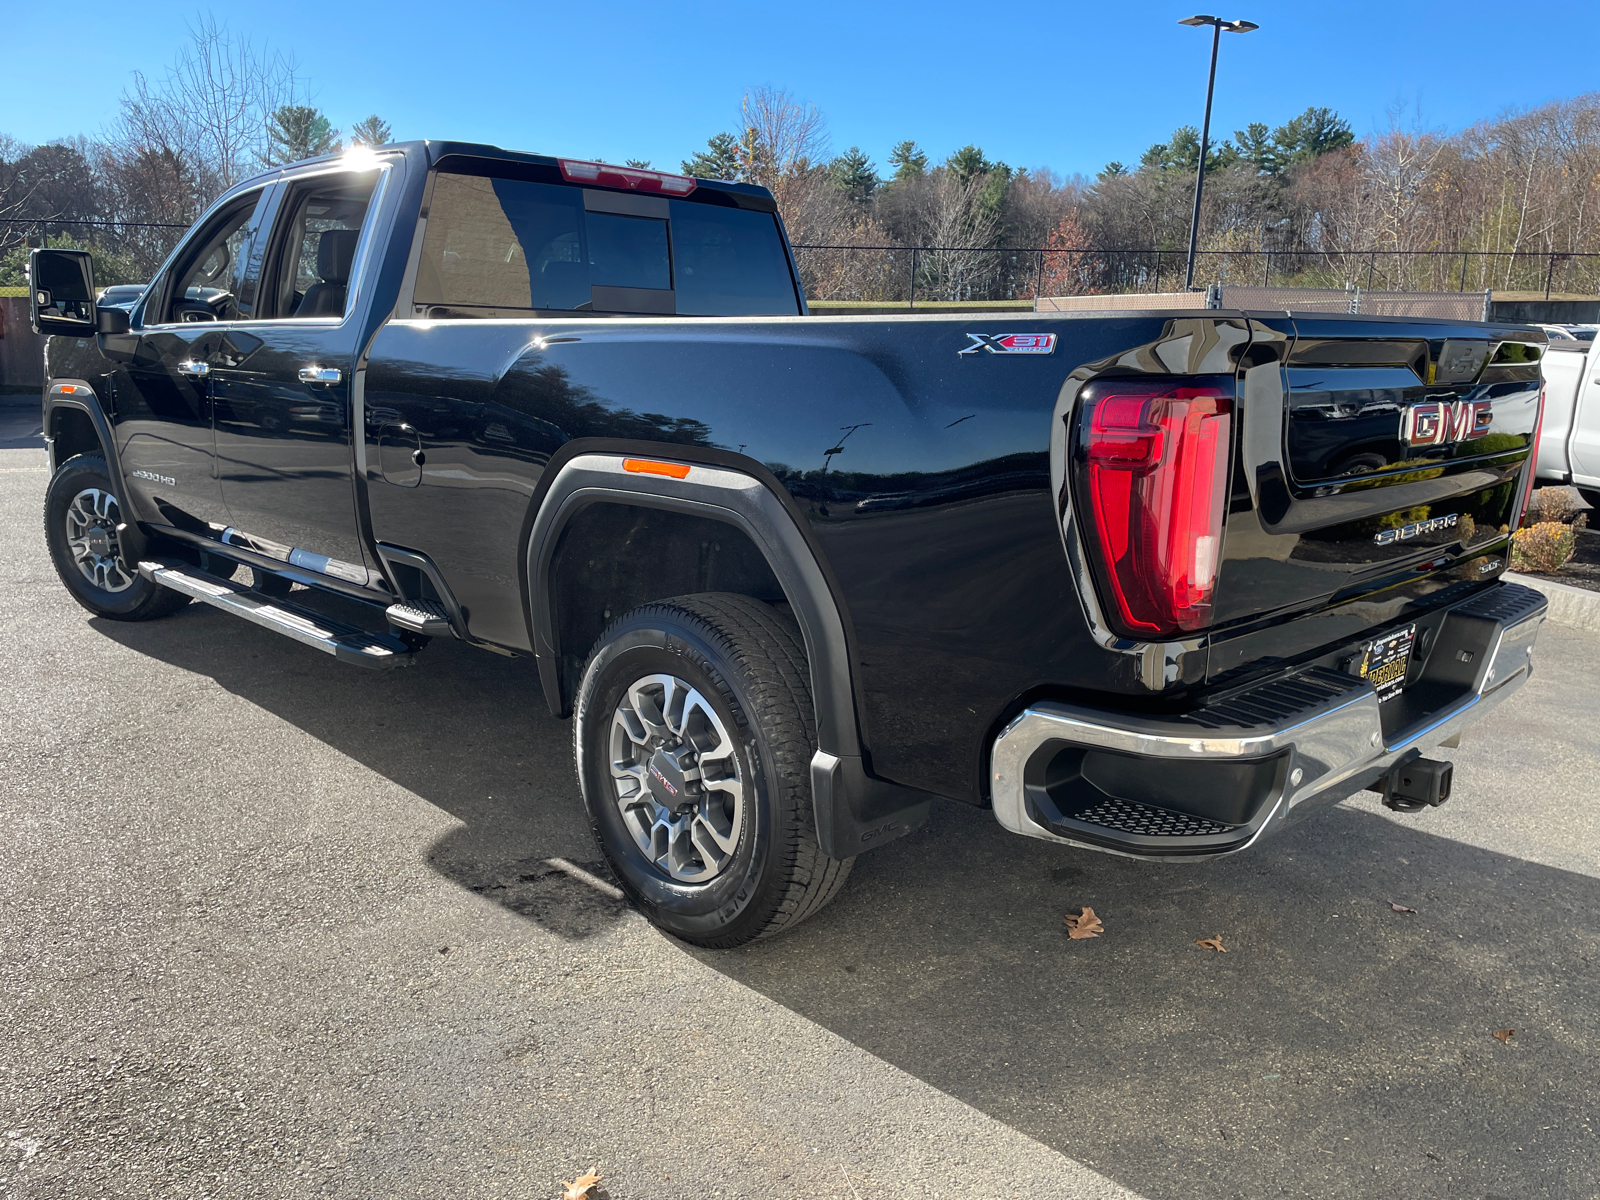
<point>719,160</point>
<point>297,131</point>
<point>968,163</point>
<point>1314,132</point>
<point>908,161</point>
<point>1256,146</point>
<point>854,174</point>
<point>374,131</point>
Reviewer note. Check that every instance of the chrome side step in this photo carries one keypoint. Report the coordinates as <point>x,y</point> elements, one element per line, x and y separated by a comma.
<point>427,617</point>
<point>348,643</point>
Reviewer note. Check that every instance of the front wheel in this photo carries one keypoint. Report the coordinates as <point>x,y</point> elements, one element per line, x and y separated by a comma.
<point>83,527</point>
<point>694,732</point>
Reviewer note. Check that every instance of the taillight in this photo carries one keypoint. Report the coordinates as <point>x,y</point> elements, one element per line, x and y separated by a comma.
<point>1525,491</point>
<point>632,178</point>
<point>1157,484</point>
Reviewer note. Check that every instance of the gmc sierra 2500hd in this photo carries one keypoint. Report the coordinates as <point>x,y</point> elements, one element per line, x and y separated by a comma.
<point>1152,583</point>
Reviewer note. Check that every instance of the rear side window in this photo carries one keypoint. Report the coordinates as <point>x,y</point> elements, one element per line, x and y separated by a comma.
<point>498,245</point>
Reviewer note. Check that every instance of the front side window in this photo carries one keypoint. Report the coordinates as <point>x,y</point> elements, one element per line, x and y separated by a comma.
<point>513,245</point>
<point>208,272</point>
<point>314,246</point>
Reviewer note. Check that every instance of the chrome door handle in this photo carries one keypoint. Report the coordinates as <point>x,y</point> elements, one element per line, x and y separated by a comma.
<point>191,367</point>
<point>320,375</point>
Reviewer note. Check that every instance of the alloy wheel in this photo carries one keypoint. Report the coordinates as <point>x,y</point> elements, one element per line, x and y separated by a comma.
<point>92,519</point>
<point>676,777</point>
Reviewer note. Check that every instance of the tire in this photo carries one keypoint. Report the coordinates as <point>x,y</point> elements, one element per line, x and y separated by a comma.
<point>81,512</point>
<point>721,679</point>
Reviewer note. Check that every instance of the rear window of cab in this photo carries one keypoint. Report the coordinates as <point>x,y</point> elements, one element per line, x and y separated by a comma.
<point>501,246</point>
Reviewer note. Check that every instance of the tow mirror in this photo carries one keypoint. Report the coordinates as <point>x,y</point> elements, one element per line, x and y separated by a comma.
<point>61,286</point>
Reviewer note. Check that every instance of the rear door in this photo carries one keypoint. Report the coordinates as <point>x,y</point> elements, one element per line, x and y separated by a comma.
<point>281,384</point>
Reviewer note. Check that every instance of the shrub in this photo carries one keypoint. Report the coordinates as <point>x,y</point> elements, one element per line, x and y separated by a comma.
<point>1544,548</point>
<point>1550,504</point>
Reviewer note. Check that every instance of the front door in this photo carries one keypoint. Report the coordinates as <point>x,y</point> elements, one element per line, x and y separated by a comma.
<point>162,402</point>
<point>281,386</point>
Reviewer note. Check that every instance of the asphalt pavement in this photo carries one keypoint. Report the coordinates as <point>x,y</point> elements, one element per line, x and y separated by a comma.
<point>275,926</point>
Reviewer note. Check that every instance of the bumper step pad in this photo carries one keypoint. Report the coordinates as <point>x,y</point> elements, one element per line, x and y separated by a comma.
<point>1146,820</point>
<point>348,643</point>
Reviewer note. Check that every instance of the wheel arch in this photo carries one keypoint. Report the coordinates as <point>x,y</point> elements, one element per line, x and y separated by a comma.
<point>589,483</point>
<point>75,422</point>
<point>854,810</point>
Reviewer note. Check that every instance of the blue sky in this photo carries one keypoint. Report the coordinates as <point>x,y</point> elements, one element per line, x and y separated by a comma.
<point>1067,86</point>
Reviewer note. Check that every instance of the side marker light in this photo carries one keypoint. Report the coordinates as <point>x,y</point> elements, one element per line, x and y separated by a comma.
<point>647,466</point>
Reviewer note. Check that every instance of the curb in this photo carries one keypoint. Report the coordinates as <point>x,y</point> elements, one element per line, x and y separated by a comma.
<point>1569,605</point>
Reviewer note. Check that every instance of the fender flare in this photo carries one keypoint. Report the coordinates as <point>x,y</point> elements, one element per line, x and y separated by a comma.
<point>80,394</point>
<point>854,811</point>
<point>83,397</point>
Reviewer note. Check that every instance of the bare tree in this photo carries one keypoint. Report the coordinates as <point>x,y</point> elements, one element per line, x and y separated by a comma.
<point>961,232</point>
<point>780,139</point>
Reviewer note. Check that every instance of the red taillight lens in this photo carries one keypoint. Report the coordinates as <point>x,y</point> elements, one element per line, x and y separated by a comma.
<point>1157,482</point>
<point>632,178</point>
<point>1525,491</point>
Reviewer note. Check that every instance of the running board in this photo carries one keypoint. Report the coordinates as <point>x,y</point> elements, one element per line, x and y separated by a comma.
<point>348,643</point>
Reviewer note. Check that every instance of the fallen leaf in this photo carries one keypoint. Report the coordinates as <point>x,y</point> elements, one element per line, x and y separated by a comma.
<point>1400,907</point>
<point>1212,943</point>
<point>1504,1035</point>
<point>1084,925</point>
<point>582,1188</point>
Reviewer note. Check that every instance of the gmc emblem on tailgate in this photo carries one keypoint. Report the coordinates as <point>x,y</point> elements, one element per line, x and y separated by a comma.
<point>1434,423</point>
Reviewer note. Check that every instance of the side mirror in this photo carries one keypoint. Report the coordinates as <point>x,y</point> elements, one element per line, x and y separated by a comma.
<point>61,284</point>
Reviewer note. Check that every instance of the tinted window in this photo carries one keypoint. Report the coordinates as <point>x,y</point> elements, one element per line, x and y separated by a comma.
<point>730,262</point>
<point>628,252</point>
<point>319,226</point>
<point>502,244</point>
<point>208,271</point>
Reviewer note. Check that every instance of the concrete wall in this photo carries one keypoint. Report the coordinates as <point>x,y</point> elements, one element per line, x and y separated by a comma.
<point>1546,312</point>
<point>21,350</point>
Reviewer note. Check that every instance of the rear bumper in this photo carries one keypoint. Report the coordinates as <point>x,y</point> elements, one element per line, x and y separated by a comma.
<point>1227,774</point>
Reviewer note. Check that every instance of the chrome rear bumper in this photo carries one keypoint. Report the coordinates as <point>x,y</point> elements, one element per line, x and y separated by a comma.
<point>1311,734</point>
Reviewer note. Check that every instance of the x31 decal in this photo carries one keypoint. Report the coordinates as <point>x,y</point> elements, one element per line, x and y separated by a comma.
<point>1011,343</point>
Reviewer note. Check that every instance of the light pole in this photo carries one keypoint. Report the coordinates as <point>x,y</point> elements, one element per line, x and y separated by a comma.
<point>1217,26</point>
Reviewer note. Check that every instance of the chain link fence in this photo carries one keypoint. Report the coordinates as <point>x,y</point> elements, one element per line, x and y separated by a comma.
<point>944,274</point>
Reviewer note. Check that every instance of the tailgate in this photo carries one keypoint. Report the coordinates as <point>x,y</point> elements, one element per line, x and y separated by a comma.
<point>1380,462</point>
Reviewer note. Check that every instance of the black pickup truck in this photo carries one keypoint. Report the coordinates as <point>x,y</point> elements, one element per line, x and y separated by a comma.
<point>1148,582</point>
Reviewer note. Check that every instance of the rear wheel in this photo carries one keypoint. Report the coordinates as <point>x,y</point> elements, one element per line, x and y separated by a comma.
<point>83,527</point>
<point>694,733</point>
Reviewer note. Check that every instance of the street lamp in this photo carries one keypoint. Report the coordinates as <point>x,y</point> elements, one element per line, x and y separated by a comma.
<point>1217,26</point>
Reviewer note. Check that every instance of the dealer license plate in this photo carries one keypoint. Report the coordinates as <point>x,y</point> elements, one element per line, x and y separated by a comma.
<point>1384,662</point>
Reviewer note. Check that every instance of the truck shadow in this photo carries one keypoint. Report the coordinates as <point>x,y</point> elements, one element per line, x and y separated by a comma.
<point>1338,1048</point>
<point>467,731</point>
